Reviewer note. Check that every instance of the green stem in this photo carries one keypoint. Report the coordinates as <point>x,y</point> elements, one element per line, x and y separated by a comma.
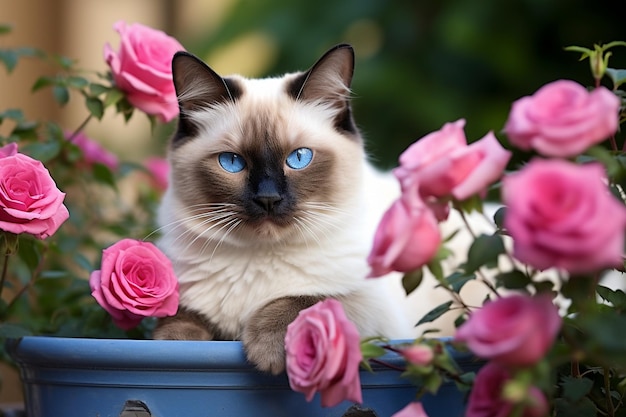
<point>32,280</point>
<point>80,128</point>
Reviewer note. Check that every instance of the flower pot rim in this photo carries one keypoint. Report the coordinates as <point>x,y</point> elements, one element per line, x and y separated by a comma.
<point>149,354</point>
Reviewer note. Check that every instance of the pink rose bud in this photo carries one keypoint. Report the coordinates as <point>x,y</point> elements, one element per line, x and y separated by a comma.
<point>487,399</point>
<point>512,331</point>
<point>30,201</point>
<point>420,355</point>
<point>8,150</point>
<point>563,119</point>
<point>93,152</point>
<point>142,69</point>
<point>136,280</point>
<point>407,237</point>
<point>414,409</point>
<point>323,354</point>
<point>562,215</point>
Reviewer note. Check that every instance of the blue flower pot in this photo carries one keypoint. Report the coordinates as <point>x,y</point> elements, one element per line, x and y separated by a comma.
<point>119,378</point>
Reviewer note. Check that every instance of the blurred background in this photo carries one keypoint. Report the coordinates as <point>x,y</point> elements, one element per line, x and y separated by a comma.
<point>419,64</point>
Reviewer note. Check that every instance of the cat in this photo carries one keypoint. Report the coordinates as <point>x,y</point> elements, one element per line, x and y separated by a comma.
<point>272,207</point>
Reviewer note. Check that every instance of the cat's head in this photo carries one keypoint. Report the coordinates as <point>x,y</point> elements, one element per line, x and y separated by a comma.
<point>264,160</point>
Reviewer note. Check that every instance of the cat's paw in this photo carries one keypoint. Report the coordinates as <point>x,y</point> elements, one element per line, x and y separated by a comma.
<point>265,351</point>
<point>185,325</point>
<point>264,335</point>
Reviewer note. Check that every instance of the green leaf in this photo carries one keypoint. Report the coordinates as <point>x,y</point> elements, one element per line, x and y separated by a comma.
<point>605,157</point>
<point>9,58</point>
<point>97,89</point>
<point>13,331</point>
<point>435,268</point>
<point>582,408</point>
<point>5,28</point>
<point>432,382</point>
<point>457,280</point>
<point>77,82</point>
<point>113,96</point>
<point>618,76</point>
<point>435,313</point>
<point>95,106</point>
<point>61,94</point>
<point>43,151</point>
<point>65,62</point>
<point>103,174</point>
<point>513,280</point>
<point>574,389</point>
<point>412,280</point>
<point>12,114</point>
<point>498,217</point>
<point>371,350</point>
<point>484,251</point>
<point>42,82</point>
<point>616,297</point>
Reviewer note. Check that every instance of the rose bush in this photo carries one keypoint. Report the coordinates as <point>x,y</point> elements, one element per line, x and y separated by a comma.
<point>549,328</point>
<point>51,241</point>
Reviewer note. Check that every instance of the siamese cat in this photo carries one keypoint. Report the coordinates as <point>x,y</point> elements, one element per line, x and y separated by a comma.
<point>272,207</point>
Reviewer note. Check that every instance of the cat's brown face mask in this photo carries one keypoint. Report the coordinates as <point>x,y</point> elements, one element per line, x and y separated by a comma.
<point>264,160</point>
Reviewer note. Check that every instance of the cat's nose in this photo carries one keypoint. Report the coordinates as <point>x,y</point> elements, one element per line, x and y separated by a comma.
<point>267,195</point>
<point>267,202</point>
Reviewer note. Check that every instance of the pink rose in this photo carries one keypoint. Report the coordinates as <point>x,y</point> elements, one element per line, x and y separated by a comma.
<point>513,331</point>
<point>420,355</point>
<point>486,398</point>
<point>407,237</point>
<point>562,215</point>
<point>159,169</point>
<point>444,164</point>
<point>93,152</point>
<point>563,119</point>
<point>30,201</point>
<point>414,409</point>
<point>143,69</point>
<point>136,281</point>
<point>323,354</point>
<point>8,150</point>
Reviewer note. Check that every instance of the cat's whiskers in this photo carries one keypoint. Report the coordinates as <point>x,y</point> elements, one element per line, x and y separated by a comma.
<point>192,228</point>
<point>204,207</point>
<point>305,231</point>
<point>214,222</point>
<point>232,225</point>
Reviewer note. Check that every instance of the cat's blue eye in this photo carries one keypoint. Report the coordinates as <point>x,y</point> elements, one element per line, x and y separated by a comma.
<point>231,162</point>
<point>299,158</point>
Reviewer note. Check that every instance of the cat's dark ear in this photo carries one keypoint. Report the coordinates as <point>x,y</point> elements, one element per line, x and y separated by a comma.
<point>328,81</point>
<point>197,85</point>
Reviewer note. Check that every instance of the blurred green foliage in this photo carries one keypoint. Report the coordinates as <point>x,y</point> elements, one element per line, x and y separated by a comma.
<point>423,63</point>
